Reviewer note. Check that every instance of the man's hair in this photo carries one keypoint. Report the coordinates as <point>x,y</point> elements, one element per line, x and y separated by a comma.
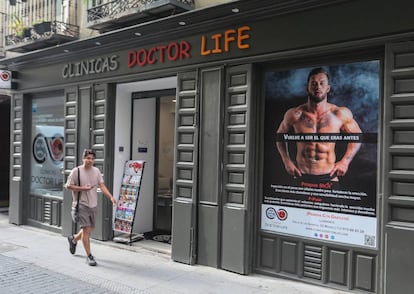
<point>87,152</point>
<point>316,71</point>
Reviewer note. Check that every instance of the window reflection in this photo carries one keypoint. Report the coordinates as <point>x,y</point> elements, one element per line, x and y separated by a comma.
<point>47,146</point>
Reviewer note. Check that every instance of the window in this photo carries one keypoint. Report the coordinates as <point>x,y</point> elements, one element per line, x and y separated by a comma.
<point>47,146</point>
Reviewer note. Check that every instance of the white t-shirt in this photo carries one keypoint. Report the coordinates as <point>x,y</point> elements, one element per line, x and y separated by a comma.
<point>91,176</point>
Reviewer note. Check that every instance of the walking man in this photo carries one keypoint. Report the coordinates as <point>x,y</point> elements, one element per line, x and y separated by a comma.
<point>89,178</point>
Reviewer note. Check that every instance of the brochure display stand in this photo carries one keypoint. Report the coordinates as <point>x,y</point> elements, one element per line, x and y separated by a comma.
<point>128,200</point>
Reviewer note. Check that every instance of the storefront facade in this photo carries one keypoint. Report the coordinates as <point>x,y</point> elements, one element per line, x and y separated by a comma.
<point>233,75</point>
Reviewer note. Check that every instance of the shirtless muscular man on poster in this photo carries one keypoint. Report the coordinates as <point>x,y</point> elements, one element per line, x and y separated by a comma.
<point>315,160</point>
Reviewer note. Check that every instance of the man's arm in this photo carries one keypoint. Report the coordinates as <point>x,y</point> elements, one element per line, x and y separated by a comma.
<point>71,185</point>
<point>349,126</point>
<point>106,192</point>
<point>77,188</point>
<point>282,147</point>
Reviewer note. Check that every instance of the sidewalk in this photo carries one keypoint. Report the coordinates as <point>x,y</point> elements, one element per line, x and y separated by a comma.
<point>120,269</point>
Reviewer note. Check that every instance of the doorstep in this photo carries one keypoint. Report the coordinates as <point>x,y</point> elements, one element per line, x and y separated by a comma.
<point>144,244</point>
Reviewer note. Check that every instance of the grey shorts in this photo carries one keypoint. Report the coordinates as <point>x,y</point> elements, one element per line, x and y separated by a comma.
<point>87,216</point>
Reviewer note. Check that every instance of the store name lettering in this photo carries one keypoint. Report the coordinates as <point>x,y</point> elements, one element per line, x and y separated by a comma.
<point>210,44</point>
<point>213,44</point>
<point>221,42</point>
<point>172,51</point>
<point>90,66</point>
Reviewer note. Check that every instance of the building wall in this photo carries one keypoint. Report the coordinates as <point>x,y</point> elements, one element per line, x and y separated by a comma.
<point>23,15</point>
<point>2,29</point>
<point>398,180</point>
<point>234,240</point>
<point>206,3</point>
<point>82,21</point>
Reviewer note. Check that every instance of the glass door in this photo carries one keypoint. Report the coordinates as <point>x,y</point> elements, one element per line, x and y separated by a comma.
<point>165,163</point>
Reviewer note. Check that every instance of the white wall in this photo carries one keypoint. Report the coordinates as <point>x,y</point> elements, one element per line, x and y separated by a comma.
<point>143,136</point>
<point>166,137</point>
<point>123,124</point>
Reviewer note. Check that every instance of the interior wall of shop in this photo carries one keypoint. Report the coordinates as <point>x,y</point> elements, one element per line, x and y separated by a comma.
<point>123,137</point>
<point>143,135</point>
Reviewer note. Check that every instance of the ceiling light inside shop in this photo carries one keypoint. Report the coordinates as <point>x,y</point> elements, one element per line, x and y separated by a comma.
<point>138,34</point>
<point>98,43</point>
<point>182,23</point>
<point>235,10</point>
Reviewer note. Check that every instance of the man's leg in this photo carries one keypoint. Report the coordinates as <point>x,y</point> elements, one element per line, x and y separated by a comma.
<point>86,234</point>
<point>87,231</point>
<point>73,241</point>
<point>78,236</point>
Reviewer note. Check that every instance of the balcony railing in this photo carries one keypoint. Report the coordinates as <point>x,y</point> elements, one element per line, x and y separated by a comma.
<point>119,13</point>
<point>42,35</point>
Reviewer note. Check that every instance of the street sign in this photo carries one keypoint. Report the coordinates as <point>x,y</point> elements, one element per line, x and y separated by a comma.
<point>5,79</point>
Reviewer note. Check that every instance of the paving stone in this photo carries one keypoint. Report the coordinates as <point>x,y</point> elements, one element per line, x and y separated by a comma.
<point>20,277</point>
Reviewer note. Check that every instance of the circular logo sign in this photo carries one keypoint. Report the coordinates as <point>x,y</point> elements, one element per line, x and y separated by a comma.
<point>282,214</point>
<point>56,148</point>
<point>270,213</point>
<point>39,148</point>
<point>4,76</point>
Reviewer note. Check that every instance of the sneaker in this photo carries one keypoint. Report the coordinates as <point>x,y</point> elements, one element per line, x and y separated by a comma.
<point>91,260</point>
<point>72,246</point>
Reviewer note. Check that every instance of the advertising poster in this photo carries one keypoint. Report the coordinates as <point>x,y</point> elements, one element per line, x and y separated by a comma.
<point>128,196</point>
<point>47,146</point>
<point>320,152</point>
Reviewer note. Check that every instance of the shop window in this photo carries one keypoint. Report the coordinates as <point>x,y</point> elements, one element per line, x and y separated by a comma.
<point>47,146</point>
<point>320,152</point>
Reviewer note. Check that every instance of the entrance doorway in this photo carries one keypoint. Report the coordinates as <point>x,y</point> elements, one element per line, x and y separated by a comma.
<point>165,163</point>
<point>153,133</point>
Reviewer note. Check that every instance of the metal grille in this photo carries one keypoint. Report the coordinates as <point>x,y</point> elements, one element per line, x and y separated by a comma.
<point>114,8</point>
<point>312,262</point>
<point>47,211</point>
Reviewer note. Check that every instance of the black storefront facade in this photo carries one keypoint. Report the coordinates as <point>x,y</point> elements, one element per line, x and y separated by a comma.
<point>233,74</point>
